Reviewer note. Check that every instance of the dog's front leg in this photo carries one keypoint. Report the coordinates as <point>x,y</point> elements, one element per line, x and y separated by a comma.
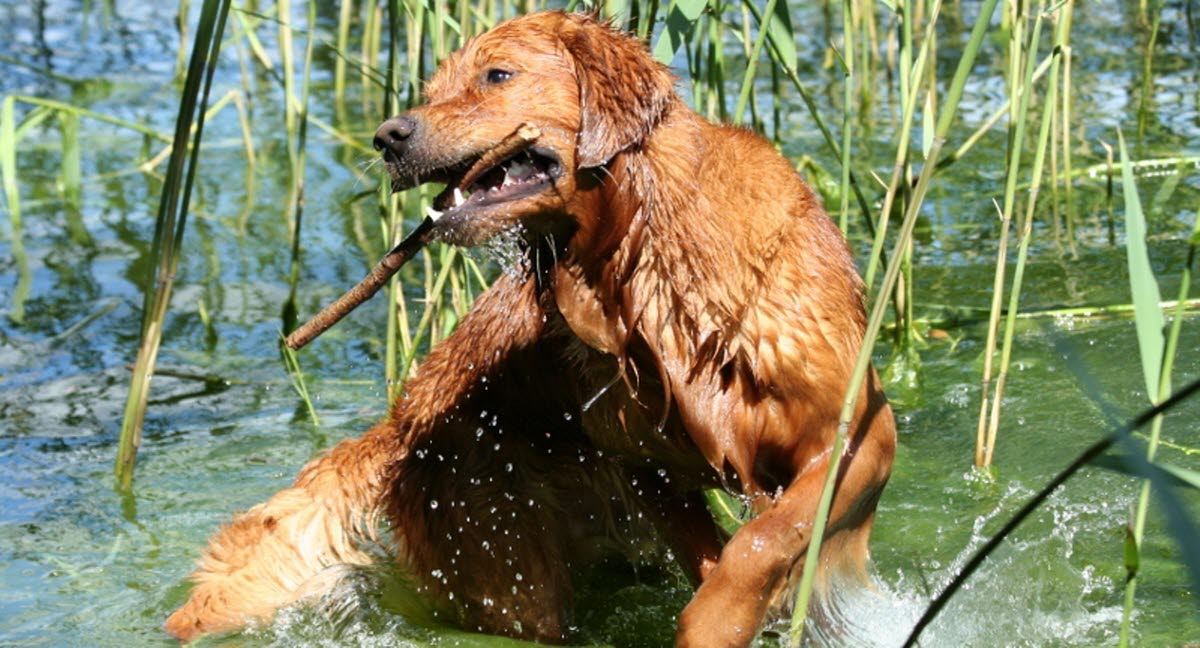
<point>763,559</point>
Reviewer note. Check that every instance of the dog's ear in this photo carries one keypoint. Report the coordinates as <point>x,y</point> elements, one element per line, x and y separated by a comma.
<point>623,91</point>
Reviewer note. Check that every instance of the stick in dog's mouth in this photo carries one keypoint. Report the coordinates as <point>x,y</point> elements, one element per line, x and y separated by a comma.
<point>505,158</point>
<point>507,171</point>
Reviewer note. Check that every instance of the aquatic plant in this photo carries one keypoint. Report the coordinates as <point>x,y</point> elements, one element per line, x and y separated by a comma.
<point>741,62</point>
<point>170,225</point>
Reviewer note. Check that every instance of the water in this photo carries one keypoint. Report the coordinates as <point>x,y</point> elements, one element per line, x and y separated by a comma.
<point>80,563</point>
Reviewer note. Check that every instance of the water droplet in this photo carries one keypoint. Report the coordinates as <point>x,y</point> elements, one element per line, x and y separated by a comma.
<point>433,504</point>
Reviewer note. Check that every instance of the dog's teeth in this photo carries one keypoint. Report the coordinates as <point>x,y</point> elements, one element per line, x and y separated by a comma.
<point>458,197</point>
<point>432,213</point>
<point>516,172</point>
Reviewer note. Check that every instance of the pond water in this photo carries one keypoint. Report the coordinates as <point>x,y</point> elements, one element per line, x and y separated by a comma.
<point>81,564</point>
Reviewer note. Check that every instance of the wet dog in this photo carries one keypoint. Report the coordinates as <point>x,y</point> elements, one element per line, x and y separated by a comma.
<point>684,316</point>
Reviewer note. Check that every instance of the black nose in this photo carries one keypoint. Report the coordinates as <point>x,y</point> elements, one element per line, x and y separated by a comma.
<point>392,136</point>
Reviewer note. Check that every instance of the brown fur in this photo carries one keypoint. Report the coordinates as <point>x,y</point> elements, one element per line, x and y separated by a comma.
<point>686,317</point>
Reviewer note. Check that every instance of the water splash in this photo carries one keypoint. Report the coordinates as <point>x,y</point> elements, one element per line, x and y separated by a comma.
<point>506,249</point>
<point>1028,593</point>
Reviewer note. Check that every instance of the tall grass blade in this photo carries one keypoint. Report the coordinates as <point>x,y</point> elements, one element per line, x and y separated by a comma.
<point>59,107</point>
<point>1174,476</point>
<point>345,15</point>
<point>752,62</point>
<point>847,59</point>
<point>396,341</point>
<point>296,111</point>
<point>1148,316</point>
<point>1025,227</point>
<point>292,363</point>
<point>903,138</point>
<point>1064,45</point>
<point>169,227</point>
<point>1157,351</point>
<point>782,36</point>
<point>863,364</point>
<point>989,353</point>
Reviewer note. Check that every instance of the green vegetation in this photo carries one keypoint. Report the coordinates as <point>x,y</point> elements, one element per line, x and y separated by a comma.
<point>885,70</point>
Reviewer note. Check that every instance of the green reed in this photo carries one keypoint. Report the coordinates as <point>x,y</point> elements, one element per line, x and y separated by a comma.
<point>1158,349</point>
<point>846,59</point>
<point>1064,46</point>
<point>296,121</point>
<point>862,367</point>
<point>394,45</point>
<point>341,47</point>
<point>398,339</point>
<point>1023,55</point>
<point>169,226</point>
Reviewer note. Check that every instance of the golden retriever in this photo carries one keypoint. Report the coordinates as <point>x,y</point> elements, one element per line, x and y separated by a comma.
<point>684,316</point>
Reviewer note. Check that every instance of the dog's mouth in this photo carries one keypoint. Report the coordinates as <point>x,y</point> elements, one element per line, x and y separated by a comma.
<point>475,185</point>
<point>492,182</point>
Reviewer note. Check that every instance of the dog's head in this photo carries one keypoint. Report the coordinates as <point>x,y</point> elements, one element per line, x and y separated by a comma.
<point>514,117</point>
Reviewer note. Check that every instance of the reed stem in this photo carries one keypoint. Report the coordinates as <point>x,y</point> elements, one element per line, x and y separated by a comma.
<point>169,228</point>
<point>1023,56</point>
<point>1148,316</point>
<point>863,363</point>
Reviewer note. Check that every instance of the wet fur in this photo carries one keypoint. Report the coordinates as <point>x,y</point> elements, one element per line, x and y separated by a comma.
<point>686,316</point>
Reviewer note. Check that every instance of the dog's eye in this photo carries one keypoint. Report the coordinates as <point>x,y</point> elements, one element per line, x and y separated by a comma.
<point>497,76</point>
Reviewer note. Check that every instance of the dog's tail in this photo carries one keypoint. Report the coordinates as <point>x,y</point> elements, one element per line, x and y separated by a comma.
<point>295,545</point>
